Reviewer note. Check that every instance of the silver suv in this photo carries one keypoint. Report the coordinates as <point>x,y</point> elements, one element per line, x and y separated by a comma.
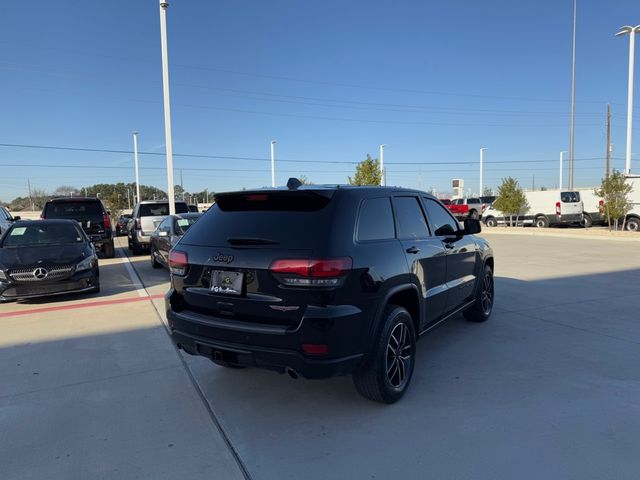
<point>146,217</point>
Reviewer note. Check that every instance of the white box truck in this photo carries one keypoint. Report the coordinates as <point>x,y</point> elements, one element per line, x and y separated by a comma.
<point>633,217</point>
<point>546,208</point>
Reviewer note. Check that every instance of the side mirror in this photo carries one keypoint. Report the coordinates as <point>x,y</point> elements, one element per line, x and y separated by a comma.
<point>471,226</point>
<point>15,219</point>
<point>163,233</point>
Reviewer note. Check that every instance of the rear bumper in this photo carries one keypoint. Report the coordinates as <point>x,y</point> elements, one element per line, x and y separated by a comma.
<point>342,328</point>
<point>568,218</point>
<point>142,239</point>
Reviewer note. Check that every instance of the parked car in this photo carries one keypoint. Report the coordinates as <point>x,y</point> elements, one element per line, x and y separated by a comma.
<point>146,217</point>
<point>167,235</point>
<point>462,208</point>
<point>193,208</point>
<point>545,208</point>
<point>6,219</point>
<point>319,281</point>
<point>48,257</point>
<point>121,224</point>
<point>90,213</point>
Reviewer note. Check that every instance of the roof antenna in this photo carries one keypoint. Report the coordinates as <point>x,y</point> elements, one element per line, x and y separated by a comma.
<point>293,183</point>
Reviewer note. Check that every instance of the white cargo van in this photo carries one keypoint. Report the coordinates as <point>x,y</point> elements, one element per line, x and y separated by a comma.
<point>633,217</point>
<point>593,207</point>
<point>546,208</point>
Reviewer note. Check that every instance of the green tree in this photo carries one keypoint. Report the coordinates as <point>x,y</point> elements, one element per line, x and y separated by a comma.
<point>487,192</point>
<point>367,172</point>
<point>511,200</point>
<point>614,191</point>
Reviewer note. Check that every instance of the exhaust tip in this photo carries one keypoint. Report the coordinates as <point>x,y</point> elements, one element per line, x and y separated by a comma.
<point>292,373</point>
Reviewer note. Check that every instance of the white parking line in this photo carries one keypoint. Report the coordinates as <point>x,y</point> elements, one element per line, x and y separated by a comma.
<point>140,290</point>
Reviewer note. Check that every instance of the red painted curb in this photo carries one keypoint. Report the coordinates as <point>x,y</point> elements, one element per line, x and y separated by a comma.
<point>32,311</point>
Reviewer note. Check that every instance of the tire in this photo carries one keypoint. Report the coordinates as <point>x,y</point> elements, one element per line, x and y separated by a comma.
<point>109,250</point>
<point>386,375</point>
<point>129,244</point>
<point>481,310</point>
<point>154,262</point>
<point>541,222</point>
<point>473,214</point>
<point>491,222</point>
<point>587,222</point>
<point>136,248</point>
<point>633,224</point>
<point>95,289</point>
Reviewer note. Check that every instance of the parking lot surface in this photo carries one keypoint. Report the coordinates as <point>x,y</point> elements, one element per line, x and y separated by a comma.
<point>548,388</point>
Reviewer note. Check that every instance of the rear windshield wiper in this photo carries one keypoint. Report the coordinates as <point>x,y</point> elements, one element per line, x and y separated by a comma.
<point>251,241</point>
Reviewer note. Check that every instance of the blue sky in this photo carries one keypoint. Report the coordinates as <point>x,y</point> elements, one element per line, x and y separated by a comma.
<point>328,80</point>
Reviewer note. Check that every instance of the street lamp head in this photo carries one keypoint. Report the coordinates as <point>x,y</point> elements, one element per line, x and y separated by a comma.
<point>273,142</point>
<point>135,134</point>
<point>624,30</point>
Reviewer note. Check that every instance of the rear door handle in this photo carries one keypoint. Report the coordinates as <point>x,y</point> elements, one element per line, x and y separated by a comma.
<point>413,250</point>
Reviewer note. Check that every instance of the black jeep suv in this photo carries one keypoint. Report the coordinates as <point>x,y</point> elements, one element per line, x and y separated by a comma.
<point>92,216</point>
<point>320,281</point>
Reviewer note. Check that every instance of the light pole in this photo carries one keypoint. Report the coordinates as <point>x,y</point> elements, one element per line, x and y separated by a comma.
<point>573,98</point>
<point>273,163</point>
<point>481,170</point>
<point>561,162</point>
<point>167,107</point>
<point>135,164</point>
<point>383,179</point>
<point>632,41</point>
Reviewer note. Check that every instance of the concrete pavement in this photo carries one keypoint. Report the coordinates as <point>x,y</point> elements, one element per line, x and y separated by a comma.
<point>548,388</point>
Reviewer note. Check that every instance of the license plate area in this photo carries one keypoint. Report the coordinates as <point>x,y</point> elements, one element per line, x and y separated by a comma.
<point>226,283</point>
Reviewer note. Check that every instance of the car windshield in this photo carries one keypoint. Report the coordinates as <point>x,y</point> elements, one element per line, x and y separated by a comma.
<point>39,233</point>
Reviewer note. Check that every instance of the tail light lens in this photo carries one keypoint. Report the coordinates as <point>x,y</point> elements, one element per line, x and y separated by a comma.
<point>106,221</point>
<point>557,208</point>
<point>178,262</point>
<point>305,272</point>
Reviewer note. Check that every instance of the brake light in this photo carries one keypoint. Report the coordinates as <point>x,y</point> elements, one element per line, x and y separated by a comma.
<point>178,262</point>
<point>106,221</point>
<point>257,198</point>
<point>557,208</point>
<point>311,272</point>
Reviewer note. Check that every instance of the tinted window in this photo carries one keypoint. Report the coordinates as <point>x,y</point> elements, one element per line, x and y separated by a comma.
<point>570,197</point>
<point>182,224</point>
<point>441,221</point>
<point>411,221</point>
<point>376,220</point>
<point>160,209</point>
<point>41,233</point>
<point>165,224</point>
<point>298,220</point>
<point>73,210</point>
<point>473,200</point>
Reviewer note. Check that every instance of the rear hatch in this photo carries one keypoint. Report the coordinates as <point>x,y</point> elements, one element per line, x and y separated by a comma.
<point>152,214</point>
<point>233,247</point>
<point>570,203</point>
<point>89,213</point>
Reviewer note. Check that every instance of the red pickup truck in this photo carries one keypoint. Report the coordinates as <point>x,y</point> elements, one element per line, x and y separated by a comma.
<point>466,208</point>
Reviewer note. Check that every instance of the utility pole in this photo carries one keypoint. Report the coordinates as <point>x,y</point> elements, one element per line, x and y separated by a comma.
<point>135,162</point>
<point>383,180</point>
<point>573,98</point>
<point>561,169</point>
<point>273,163</point>
<point>33,208</point>
<point>632,41</point>
<point>608,139</point>
<point>181,185</point>
<point>533,183</point>
<point>167,106</point>
<point>481,170</point>
<point>128,199</point>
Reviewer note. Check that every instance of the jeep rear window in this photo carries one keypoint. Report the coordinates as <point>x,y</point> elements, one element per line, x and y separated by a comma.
<point>296,220</point>
<point>73,210</point>
<point>160,209</point>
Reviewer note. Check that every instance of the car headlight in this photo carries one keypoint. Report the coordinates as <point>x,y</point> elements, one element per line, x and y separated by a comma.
<point>3,276</point>
<point>85,264</point>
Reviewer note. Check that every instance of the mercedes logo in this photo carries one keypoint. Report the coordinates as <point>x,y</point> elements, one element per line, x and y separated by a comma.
<point>40,273</point>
